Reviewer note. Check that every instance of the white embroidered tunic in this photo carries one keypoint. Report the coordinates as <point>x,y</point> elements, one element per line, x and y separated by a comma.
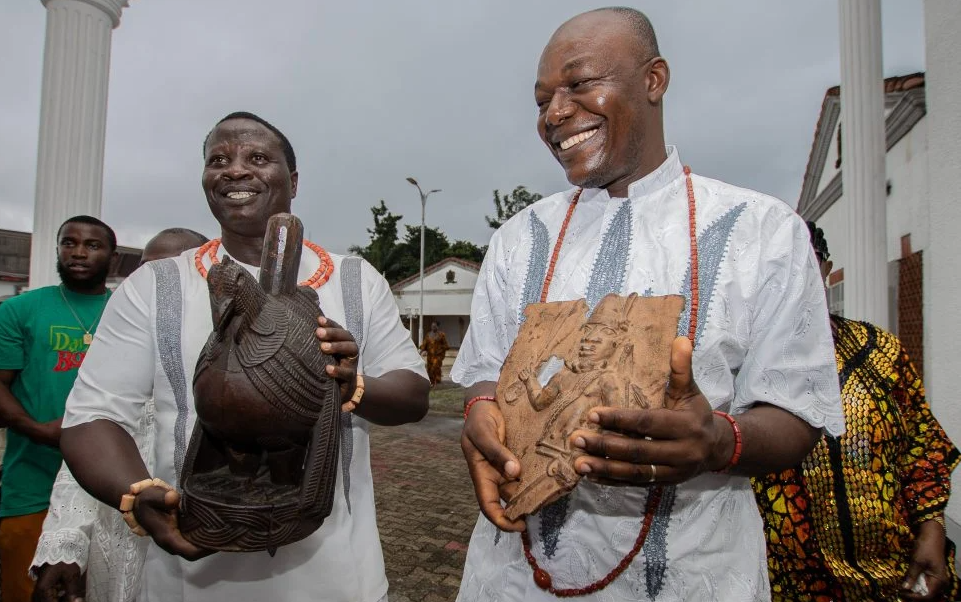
<point>131,364</point>
<point>762,336</point>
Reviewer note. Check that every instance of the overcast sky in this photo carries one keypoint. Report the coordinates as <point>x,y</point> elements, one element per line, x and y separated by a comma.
<point>372,92</point>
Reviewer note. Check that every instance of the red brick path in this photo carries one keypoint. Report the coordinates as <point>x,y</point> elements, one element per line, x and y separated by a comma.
<point>425,507</point>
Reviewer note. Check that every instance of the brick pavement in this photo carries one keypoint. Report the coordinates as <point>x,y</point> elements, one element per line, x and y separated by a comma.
<point>426,508</point>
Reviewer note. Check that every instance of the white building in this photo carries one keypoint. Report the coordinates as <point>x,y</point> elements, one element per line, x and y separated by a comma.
<point>924,170</point>
<point>906,166</point>
<point>448,287</point>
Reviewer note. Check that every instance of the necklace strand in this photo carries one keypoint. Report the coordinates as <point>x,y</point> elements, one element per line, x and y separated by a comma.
<point>320,276</point>
<point>87,335</point>
<point>541,577</point>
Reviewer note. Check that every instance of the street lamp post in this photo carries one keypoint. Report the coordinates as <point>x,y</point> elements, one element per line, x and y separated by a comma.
<point>423,216</point>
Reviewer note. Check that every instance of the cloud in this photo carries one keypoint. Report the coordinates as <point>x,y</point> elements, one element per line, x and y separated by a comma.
<point>370,93</point>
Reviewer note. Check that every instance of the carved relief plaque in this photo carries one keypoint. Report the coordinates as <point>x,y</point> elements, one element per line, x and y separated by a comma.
<point>566,361</point>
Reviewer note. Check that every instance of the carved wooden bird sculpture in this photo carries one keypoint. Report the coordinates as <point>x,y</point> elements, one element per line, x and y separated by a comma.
<point>260,382</point>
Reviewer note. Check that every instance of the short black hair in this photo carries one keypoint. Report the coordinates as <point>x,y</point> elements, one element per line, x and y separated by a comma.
<point>284,143</point>
<point>818,241</point>
<point>200,238</point>
<point>642,28</point>
<point>86,219</point>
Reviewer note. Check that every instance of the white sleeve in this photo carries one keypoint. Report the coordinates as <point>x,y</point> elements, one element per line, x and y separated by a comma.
<point>487,342</point>
<point>67,527</point>
<point>117,375</point>
<point>387,345</point>
<point>790,360</point>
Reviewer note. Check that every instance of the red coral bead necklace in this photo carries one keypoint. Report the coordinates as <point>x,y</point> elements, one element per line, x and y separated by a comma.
<point>320,276</point>
<point>541,577</point>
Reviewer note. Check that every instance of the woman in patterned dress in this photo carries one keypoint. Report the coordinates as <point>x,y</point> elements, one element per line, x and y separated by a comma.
<point>862,517</point>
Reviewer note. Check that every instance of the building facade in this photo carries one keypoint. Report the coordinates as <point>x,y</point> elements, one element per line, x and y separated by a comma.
<point>448,288</point>
<point>923,223</point>
<point>906,203</point>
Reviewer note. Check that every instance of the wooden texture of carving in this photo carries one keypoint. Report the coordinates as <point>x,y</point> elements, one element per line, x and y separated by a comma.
<point>565,362</point>
<point>260,467</point>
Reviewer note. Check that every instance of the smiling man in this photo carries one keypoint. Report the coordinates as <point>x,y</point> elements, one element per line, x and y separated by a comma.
<point>44,336</point>
<point>129,416</point>
<point>753,374</point>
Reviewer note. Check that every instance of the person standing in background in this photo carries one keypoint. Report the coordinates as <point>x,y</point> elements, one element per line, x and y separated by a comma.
<point>44,337</point>
<point>170,243</point>
<point>434,347</point>
<point>862,516</point>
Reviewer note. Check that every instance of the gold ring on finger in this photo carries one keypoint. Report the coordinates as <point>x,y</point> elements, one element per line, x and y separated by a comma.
<point>653,474</point>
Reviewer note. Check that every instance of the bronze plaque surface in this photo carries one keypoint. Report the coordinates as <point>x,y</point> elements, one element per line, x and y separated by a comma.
<point>565,362</point>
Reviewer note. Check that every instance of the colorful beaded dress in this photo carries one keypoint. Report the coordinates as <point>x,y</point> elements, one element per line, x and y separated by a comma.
<point>841,526</point>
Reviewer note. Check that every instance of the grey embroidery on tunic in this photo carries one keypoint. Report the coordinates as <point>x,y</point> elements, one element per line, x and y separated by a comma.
<point>711,248</point>
<point>352,291</point>
<point>534,283</point>
<point>552,518</point>
<point>536,265</point>
<point>169,324</point>
<point>655,547</point>
<point>607,276</point>
<point>610,265</point>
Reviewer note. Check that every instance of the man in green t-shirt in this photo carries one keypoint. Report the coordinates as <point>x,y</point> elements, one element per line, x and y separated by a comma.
<point>44,335</point>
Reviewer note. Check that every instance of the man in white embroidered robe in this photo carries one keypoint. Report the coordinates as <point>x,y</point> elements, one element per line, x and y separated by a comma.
<point>762,348</point>
<point>137,361</point>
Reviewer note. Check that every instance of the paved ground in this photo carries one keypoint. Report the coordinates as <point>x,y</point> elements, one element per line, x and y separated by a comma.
<point>425,507</point>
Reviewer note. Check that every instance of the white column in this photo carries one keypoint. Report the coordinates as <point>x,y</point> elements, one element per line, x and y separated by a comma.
<point>862,163</point>
<point>942,276</point>
<point>73,121</point>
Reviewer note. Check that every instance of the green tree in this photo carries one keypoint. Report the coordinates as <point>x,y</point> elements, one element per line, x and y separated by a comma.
<point>382,251</point>
<point>465,249</point>
<point>510,204</point>
<point>435,248</point>
<point>399,259</point>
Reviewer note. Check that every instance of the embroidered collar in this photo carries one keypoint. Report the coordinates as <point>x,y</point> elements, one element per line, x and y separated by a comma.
<point>669,172</point>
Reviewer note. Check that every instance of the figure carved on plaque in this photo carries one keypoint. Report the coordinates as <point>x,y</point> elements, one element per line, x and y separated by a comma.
<point>617,356</point>
<point>600,375</point>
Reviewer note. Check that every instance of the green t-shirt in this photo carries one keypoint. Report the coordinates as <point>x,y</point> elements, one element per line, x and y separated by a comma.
<point>42,339</point>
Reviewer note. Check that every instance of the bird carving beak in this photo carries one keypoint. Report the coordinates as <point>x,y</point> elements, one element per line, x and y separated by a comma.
<point>223,312</point>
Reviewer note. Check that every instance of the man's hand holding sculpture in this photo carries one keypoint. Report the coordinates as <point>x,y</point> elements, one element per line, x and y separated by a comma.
<point>156,509</point>
<point>337,341</point>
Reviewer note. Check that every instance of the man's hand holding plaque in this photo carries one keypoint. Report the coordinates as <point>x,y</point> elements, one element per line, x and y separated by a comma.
<point>564,364</point>
<point>666,446</point>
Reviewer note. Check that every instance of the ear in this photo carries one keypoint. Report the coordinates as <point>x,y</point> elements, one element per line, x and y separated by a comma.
<point>658,78</point>
<point>114,261</point>
<point>826,269</point>
<point>294,176</point>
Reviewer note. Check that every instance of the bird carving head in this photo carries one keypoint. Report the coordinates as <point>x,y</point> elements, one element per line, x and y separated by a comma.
<point>233,292</point>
